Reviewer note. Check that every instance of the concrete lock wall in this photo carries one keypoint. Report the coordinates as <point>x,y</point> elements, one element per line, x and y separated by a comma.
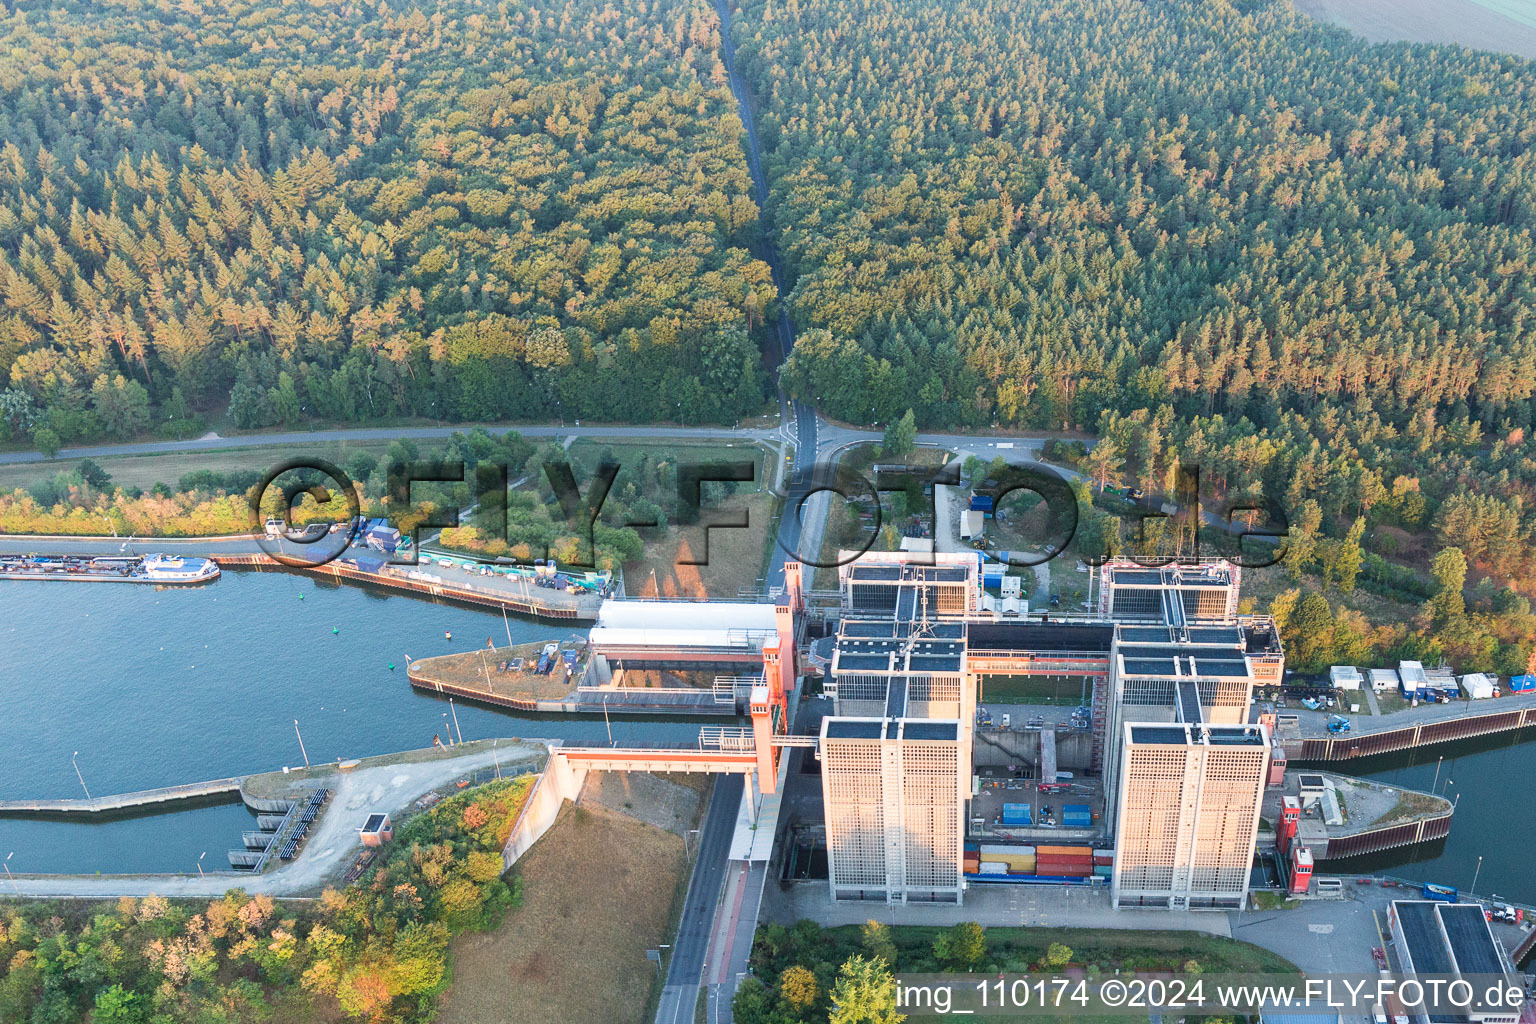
<point>558,783</point>
<point>995,749</point>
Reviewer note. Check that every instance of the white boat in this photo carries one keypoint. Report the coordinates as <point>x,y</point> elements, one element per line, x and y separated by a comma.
<point>162,568</point>
<point>109,569</point>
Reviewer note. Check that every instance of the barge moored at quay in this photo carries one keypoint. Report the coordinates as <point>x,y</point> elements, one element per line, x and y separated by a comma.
<point>156,568</point>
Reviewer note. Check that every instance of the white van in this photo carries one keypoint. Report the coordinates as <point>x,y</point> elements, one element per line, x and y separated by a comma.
<point>1005,721</point>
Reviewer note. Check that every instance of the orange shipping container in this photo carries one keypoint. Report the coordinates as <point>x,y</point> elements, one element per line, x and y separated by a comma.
<point>1064,851</point>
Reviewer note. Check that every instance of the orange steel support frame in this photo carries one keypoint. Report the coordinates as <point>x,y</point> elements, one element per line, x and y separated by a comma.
<point>769,711</point>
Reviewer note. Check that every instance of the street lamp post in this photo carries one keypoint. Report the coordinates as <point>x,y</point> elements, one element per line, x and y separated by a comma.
<point>200,864</point>
<point>301,742</point>
<point>76,763</point>
<point>8,871</point>
<point>454,711</point>
<point>1436,783</point>
<point>1479,871</point>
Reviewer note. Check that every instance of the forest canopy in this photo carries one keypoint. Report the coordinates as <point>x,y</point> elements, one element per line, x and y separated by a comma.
<point>465,209</point>
<point>1208,232</point>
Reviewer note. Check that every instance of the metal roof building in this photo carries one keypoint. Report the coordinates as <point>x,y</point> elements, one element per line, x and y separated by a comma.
<point>1451,939</point>
<point>642,633</point>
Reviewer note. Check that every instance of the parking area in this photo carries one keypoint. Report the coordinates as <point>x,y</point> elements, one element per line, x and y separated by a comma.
<point>1032,716</point>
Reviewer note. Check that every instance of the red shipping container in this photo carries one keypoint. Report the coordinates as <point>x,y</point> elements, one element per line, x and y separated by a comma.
<point>1065,872</point>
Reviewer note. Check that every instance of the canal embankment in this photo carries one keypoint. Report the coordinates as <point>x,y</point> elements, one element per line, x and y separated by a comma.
<point>388,783</point>
<point>1343,816</point>
<point>560,677</point>
<point>144,801</point>
<point>248,551</point>
<point>1305,735</point>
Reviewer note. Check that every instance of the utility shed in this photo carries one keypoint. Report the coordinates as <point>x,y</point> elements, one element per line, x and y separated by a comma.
<point>1344,677</point>
<point>1383,679</point>
<point>972,524</point>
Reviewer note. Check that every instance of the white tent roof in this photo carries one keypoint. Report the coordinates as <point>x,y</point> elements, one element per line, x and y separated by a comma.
<point>1477,686</point>
<point>685,615</point>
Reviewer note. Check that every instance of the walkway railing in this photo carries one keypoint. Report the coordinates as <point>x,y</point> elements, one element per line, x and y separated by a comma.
<point>714,737</point>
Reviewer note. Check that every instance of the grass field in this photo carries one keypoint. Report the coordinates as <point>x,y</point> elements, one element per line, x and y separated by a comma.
<point>598,892</point>
<point>1133,949</point>
<point>145,470</point>
<point>587,450</point>
<point>736,557</point>
<point>1482,24</point>
<point>1055,690</point>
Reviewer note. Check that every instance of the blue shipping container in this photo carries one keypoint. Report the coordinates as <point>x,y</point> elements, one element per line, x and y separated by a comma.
<point>1522,684</point>
<point>981,503</point>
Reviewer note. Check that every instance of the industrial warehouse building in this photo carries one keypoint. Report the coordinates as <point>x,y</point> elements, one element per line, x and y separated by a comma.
<point>1452,940</point>
<point>1170,667</point>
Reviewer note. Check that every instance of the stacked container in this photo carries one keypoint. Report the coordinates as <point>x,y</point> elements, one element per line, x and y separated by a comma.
<point>1064,861</point>
<point>1103,863</point>
<point>1016,860</point>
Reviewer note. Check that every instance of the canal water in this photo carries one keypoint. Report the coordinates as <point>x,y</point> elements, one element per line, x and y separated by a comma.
<point>158,687</point>
<point>1490,781</point>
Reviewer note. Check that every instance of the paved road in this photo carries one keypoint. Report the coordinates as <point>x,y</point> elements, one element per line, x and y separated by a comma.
<point>214,442</point>
<point>681,993</point>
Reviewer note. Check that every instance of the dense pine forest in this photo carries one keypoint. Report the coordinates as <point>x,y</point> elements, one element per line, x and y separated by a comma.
<point>1208,231</point>
<point>467,210</point>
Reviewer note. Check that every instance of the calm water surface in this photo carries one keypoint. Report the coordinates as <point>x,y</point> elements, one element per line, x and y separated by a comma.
<point>176,685</point>
<point>1495,814</point>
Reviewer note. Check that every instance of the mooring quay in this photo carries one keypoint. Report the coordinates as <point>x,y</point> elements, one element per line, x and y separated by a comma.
<point>1305,738</point>
<point>489,591</point>
<point>556,605</point>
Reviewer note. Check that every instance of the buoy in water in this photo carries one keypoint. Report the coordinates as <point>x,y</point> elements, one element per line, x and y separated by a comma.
<point>447,635</point>
<point>391,666</point>
<point>334,630</point>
